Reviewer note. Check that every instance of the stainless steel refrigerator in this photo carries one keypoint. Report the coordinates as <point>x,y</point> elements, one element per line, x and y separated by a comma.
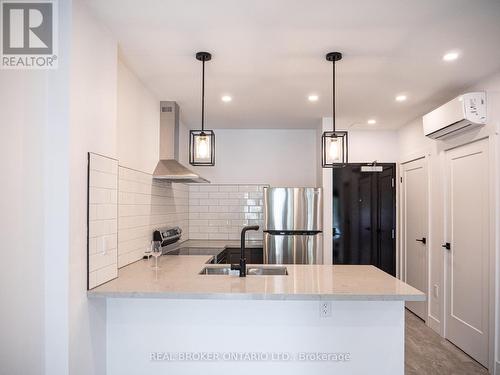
<point>293,223</point>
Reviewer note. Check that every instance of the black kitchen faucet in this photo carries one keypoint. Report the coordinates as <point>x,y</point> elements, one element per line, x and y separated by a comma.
<point>242,267</point>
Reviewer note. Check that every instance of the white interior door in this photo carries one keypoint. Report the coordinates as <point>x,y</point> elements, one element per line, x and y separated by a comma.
<point>414,220</point>
<point>467,231</point>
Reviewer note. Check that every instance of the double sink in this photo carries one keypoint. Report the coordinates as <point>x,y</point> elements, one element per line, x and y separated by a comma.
<point>251,270</point>
<point>242,269</point>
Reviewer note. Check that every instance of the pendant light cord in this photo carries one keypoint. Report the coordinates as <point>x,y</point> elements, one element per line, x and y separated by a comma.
<point>333,96</point>
<point>203,96</point>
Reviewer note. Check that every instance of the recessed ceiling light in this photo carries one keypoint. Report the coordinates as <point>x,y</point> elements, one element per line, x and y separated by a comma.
<point>450,56</point>
<point>313,98</point>
<point>401,98</point>
<point>372,121</point>
<point>226,98</point>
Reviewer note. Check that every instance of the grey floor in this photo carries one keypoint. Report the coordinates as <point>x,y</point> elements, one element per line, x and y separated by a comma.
<point>428,353</point>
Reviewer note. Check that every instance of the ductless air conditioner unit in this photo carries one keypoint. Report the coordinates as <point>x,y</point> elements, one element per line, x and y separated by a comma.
<point>465,112</point>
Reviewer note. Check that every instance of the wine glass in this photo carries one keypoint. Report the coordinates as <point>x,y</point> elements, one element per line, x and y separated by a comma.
<point>156,251</point>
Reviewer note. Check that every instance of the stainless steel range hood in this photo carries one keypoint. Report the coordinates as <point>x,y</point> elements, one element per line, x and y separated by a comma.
<point>169,168</point>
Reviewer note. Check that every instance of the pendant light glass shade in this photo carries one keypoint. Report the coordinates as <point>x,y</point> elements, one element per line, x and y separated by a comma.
<point>334,149</point>
<point>334,143</point>
<point>202,147</point>
<point>202,142</point>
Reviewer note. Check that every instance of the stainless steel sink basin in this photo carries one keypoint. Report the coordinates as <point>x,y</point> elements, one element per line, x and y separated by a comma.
<point>251,271</point>
<point>215,271</point>
<point>267,270</point>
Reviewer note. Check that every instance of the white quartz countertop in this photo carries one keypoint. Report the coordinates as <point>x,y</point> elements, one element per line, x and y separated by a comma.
<point>179,278</point>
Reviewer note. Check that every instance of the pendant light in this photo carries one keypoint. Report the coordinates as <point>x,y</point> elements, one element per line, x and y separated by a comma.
<point>333,143</point>
<point>202,142</point>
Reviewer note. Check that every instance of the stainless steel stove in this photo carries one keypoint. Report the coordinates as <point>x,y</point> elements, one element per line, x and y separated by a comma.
<point>169,238</point>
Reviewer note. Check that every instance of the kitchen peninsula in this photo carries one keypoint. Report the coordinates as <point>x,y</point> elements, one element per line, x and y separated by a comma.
<point>320,319</point>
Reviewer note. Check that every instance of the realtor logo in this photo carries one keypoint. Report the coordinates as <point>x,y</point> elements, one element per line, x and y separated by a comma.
<point>28,35</point>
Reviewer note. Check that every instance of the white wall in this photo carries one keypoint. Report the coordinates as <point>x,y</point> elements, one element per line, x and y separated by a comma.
<point>371,145</point>
<point>366,146</point>
<point>22,273</point>
<point>413,144</point>
<point>33,216</point>
<point>138,119</point>
<point>277,157</point>
<point>93,101</point>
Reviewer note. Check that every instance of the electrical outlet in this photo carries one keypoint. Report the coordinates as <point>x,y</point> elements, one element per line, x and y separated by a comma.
<point>325,309</point>
<point>436,291</point>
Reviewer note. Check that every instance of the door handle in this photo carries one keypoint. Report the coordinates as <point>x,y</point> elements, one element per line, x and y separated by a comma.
<point>447,246</point>
<point>423,240</point>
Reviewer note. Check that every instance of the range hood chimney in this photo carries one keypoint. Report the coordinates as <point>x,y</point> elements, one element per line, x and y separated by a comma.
<point>169,168</point>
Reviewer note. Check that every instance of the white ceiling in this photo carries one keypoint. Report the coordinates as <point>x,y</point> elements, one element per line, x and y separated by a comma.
<point>269,56</point>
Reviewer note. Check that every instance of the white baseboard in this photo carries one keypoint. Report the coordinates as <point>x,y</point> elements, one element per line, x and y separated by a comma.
<point>434,324</point>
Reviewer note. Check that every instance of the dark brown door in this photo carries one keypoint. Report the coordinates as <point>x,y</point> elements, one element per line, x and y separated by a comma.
<point>364,216</point>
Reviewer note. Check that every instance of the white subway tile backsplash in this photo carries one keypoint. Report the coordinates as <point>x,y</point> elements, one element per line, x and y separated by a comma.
<point>218,236</point>
<point>106,211</point>
<point>102,259</point>
<point>208,188</point>
<point>103,180</point>
<point>252,216</point>
<point>228,215</point>
<point>194,216</point>
<point>206,215</point>
<point>218,208</point>
<point>218,195</point>
<point>229,202</point>
<point>198,208</point>
<point>125,207</point>
<point>99,228</point>
<point>228,187</point>
<point>258,194</point>
<point>239,195</point>
<point>248,188</point>
<point>102,220</point>
<point>199,223</point>
<point>238,208</point>
<point>104,274</point>
<point>208,229</point>
<point>198,195</point>
<point>250,202</point>
<point>103,164</point>
<point>220,211</point>
<point>239,223</point>
<point>99,244</point>
<point>218,222</point>
<point>145,205</point>
<point>101,195</point>
<point>207,202</point>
